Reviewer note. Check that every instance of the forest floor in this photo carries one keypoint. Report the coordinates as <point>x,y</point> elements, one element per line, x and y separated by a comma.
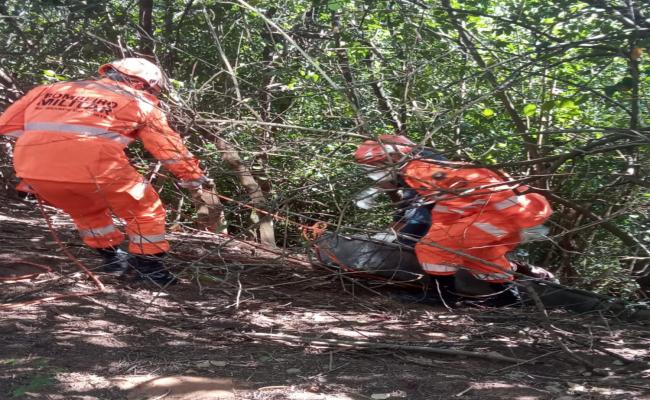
<point>202,339</point>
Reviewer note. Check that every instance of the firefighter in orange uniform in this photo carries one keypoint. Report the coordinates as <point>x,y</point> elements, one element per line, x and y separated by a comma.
<point>477,214</point>
<point>70,150</point>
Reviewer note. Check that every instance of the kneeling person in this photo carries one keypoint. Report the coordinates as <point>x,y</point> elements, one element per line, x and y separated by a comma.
<point>476,220</point>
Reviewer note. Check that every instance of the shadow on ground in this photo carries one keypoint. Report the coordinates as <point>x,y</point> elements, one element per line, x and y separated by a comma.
<point>103,347</point>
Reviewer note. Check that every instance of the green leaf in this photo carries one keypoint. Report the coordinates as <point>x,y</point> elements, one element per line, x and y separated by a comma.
<point>568,105</point>
<point>489,159</point>
<point>335,5</point>
<point>529,110</point>
<point>488,113</point>
<point>49,72</point>
<point>548,105</point>
<point>176,84</point>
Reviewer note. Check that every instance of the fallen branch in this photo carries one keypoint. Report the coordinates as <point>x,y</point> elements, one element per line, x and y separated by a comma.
<point>556,335</point>
<point>361,344</point>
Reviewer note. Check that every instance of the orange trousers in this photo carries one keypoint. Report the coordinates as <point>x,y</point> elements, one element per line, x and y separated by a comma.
<point>93,205</point>
<point>480,236</point>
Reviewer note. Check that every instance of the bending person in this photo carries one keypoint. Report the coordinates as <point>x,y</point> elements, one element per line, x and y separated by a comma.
<point>70,150</point>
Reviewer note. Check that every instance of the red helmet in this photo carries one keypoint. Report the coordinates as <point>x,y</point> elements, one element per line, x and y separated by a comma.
<point>372,152</point>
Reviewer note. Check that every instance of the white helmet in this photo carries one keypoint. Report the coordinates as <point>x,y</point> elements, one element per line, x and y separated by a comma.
<point>140,69</point>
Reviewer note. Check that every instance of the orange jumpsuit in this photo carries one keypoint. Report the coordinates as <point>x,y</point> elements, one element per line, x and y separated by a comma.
<point>70,149</point>
<point>476,214</point>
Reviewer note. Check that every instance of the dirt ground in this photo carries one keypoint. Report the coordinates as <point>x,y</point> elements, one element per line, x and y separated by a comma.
<point>249,324</point>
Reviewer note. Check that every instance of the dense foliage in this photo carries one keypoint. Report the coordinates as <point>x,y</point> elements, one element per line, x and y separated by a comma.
<point>275,95</point>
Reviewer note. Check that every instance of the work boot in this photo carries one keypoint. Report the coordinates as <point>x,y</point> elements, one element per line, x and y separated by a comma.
<point>115,260</point>
<point>443,289</point>
<point>151,269</point>
<point>505,294</point>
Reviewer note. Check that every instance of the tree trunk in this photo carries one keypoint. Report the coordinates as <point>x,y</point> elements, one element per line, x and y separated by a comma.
<point>145,26</point>
<point>348,77</point>
<point>250,185</point>
<point>262,222</point>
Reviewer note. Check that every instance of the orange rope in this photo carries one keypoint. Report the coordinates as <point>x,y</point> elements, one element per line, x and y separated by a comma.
<point>45,269</point>
<point>308,232</point>
<point>315,231</point>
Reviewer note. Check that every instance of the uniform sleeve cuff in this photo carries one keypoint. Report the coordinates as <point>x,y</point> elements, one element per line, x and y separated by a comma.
<point>194,184</point>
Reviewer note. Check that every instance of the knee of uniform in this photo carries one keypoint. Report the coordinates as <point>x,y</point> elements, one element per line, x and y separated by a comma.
<point>432,255</point>
<point>156,212</point>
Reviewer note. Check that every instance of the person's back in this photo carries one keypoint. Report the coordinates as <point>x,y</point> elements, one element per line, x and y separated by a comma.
<point>76,132</point>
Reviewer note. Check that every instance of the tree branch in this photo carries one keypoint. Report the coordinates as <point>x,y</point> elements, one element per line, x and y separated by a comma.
<point>627,239</point>
<point>520,125</point>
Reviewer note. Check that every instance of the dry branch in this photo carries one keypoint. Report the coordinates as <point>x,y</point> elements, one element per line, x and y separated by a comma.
<point>362,344</point>
<point>556,336</point>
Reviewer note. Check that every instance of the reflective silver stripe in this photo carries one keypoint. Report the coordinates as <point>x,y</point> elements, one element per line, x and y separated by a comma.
<point>144,239</point>
<point>16,134</point>
<point>438,268</point>
<point>507,203</point>
<point>174,161</point>
<point>492,277</point>
<point>446,210</point>
<point>101,231</point>
<point>490,229</point>
<point>441,209</point>
<point>474,204</point>
<point>83,130</point>
<point>459,209</point>
<point>180,159</point>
